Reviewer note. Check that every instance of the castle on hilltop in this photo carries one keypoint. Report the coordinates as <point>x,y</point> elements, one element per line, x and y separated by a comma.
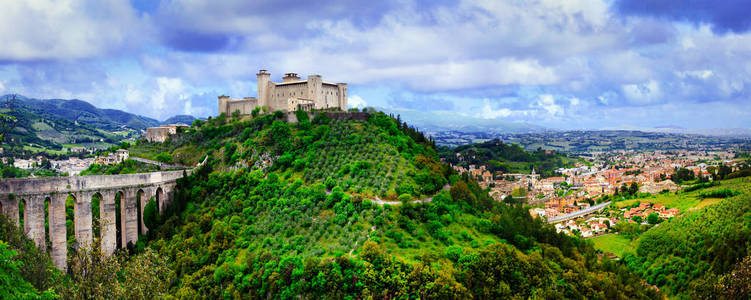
<point>289,95</point>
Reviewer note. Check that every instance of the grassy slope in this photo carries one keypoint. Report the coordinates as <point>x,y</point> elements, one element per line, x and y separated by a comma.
<point>681,200</point>
<point>614,243</point>
<point>671,200</point>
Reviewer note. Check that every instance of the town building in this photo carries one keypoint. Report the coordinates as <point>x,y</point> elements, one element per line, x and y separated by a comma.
<point>113,158</point>
<point>291,94</point>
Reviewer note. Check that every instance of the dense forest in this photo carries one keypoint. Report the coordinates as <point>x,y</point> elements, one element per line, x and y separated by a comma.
<point>508,158</point>
<point>695,256</point>
<point>283,210</point>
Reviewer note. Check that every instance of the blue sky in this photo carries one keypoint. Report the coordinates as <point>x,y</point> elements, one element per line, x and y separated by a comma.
<point>560,64</point>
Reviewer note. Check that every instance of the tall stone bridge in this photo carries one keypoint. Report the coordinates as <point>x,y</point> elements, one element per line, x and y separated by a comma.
<point>49,194</point>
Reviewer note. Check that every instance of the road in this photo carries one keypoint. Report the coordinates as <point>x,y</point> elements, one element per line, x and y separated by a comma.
<point>160,164</point>
<point>579,213</point>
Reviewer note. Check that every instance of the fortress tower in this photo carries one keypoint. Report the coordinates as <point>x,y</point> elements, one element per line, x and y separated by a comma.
<point>291,94</point>
<point>263,82</point>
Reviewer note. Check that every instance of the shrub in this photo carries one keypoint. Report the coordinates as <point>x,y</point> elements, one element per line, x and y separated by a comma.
<point>164,157</point>
<point>721,193</point>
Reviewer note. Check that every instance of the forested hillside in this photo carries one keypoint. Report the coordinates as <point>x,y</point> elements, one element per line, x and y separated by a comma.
<point>508,158</point>
<point>286,211</point>
<point>693,256</point>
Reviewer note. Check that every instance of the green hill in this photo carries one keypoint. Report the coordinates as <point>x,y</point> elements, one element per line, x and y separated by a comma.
<point>507,158</point>
<point>692,256</point>
<point>285,211</point>
<point>38,131</point>
<point>84,113</point>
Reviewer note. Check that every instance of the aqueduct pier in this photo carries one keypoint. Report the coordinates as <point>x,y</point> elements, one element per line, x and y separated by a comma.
<point>49,194</point>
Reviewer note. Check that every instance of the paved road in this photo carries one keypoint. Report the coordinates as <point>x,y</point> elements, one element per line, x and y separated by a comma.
<point>578,213</point>
<point>160,164</point>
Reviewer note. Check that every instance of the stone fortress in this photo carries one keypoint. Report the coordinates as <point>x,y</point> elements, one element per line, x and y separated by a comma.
<point>289,95</point>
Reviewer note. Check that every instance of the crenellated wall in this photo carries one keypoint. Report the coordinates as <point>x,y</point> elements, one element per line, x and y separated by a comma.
<point>34,192</point>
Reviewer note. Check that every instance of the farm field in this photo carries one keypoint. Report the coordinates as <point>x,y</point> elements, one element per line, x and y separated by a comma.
<point>614,243</point>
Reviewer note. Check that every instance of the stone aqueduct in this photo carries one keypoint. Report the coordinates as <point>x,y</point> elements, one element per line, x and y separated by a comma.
<point>34,192</point>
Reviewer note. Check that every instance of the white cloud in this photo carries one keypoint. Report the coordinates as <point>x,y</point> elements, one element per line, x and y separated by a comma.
<point>579,54</point>
<point>356,101</point>
<point>700,74</point>
<point>2,87</point>
<point>648,92</point>
<point>489,113</point>
<point>169,91</point>
<point>67,29</point>
<point>133,96</point>
<point>547,103</point>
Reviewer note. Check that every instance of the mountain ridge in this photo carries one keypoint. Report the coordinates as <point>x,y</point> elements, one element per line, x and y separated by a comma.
<point>77,110</point>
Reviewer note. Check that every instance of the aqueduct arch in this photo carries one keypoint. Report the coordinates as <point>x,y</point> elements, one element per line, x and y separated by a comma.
<point>33,192</point>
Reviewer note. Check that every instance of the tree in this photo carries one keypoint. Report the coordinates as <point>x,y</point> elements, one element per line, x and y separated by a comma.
<point>302,116</point>
<point>46,164</point>
<point>633,189</point>
<point>147,276</point>
<point>460,192</point>
<point>7,120</point>
<point>12,284</point>
<point>95,274</point>
<point>653,218</point>
<point>637,219</point>
<point>404,198</point>
<point>36,266</point>
<point>737,284</point>
<point>151,214</point>
<point>92,273</point>
<point>164,157</point>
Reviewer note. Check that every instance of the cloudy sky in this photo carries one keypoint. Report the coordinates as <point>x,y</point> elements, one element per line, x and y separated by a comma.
<point>559,64</point>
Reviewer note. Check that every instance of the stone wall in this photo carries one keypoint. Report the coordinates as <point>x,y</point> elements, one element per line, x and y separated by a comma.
<point>291,117</point>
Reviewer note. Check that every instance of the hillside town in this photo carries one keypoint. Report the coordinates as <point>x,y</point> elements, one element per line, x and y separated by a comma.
<point>605,175</point>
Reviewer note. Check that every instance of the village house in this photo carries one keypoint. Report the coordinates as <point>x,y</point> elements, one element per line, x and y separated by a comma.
<point>112,158</point>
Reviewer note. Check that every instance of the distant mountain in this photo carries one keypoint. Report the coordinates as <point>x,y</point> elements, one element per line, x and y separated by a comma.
<point>58,124</point>
<point>669,127</point>
<point>185,119</point>
<point>84,113</point>
<point>719,132</point>
<point>451,121</point>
